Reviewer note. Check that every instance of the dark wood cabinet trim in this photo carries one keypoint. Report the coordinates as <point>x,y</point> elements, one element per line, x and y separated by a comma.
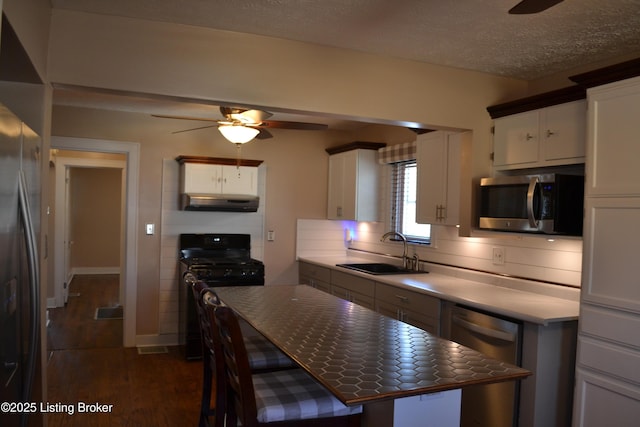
<point>560,96</point>
<point>355,146</point>
<point>610,74</point>
<point>584,81</point>
<point>218,161</point>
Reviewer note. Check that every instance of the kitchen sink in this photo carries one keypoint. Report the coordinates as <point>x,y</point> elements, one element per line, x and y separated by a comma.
<point>379,268</point>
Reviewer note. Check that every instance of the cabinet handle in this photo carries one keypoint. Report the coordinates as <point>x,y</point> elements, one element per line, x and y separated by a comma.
<point>402,298</point>
<point>529,136</point>
<point>550,133</point>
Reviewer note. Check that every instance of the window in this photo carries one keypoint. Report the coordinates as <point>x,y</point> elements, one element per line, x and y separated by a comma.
<point>403,203</point>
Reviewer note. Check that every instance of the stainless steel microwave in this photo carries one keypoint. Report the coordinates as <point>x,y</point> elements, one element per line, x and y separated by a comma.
<point>547,203</point>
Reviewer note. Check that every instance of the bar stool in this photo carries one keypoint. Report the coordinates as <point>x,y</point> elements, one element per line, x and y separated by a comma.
<point>264,357</point>
<point>286,398</point>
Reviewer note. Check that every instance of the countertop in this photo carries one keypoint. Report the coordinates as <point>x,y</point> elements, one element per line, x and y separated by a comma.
<point>534,307</point>
<point>358,354</point>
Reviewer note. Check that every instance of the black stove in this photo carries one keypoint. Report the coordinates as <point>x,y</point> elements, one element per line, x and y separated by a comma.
<point>218,260</point>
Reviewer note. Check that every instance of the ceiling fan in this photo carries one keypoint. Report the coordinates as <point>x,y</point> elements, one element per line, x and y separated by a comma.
<point>532,6</point>
<point>241,125</point>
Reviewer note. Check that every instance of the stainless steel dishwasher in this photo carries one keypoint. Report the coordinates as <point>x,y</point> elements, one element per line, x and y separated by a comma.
<point>492,405</point>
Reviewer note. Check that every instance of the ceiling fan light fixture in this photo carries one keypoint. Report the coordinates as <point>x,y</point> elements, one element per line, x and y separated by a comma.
<point>238,134</point>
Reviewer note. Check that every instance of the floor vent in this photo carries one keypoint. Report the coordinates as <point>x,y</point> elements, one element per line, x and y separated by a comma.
<point>158,349</point>
<point>108,313</point>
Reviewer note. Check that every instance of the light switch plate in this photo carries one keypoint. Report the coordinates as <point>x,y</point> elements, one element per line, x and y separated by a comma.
<point>150,229</point>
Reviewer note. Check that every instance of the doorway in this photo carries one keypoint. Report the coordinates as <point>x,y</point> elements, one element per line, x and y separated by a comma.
<point>128,253</point>
<point>89,212</point>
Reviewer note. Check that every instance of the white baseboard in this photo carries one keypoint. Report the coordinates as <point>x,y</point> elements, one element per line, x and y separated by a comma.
<point>155,340</point>
<point>95,270</point>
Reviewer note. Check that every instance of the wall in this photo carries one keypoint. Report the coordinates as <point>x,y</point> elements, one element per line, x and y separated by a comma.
<point>299,154</point>
<point>95,219</point>
<point>220,66</point>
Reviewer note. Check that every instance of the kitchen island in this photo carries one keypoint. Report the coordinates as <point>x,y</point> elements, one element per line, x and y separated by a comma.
<point>366,358</point>
<point>547,313</point>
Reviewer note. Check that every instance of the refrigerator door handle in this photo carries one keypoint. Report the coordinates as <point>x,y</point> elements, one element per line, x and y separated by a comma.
<point>32,255</point>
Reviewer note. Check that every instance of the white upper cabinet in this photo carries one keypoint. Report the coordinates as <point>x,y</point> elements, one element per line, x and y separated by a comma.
<point>354,179</point>
<point>549,136</point>
<point>614,139</point>
<point>439,164</point>
<point>205,178</point>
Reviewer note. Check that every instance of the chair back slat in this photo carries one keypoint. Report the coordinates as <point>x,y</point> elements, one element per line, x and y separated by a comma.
<point>237,368</point>
<point>213,361</point>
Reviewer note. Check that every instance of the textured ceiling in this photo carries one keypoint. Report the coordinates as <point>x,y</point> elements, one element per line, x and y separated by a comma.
<point>470,34</point>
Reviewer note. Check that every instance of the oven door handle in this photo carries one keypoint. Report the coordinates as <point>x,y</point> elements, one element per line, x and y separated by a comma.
<point>533,182</point>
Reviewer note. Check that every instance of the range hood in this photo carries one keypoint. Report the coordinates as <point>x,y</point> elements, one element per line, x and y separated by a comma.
<point>219,202</point>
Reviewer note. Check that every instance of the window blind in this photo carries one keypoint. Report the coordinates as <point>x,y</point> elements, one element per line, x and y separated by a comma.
<point>400,191</point>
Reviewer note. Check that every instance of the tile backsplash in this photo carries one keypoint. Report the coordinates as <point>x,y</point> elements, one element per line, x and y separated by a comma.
<point>555,261</point>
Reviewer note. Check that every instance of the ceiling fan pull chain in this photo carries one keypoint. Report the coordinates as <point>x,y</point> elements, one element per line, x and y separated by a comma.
<point>238,158</point>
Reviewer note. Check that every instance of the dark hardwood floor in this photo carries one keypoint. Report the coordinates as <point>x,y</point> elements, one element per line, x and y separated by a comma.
<point>87,363</point>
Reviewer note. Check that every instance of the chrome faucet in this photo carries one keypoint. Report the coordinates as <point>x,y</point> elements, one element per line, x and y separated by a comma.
<point>405,257</point>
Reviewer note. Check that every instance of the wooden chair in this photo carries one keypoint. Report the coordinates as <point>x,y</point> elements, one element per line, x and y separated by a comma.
<point>278,398</point>
<point>264,357</point>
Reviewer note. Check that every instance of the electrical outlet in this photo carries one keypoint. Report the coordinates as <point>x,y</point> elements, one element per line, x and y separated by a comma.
<point>271,235</point>
<point>498,256</point>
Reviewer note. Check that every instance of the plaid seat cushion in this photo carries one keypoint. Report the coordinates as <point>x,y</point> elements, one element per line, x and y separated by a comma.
<point>294,395</point>
<point>264,355</point>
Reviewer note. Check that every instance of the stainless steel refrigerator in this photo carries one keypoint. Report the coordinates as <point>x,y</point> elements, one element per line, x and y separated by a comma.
<point>20,318</point>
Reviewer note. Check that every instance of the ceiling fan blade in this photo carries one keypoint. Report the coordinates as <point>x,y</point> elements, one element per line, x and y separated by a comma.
<point>184,118</point>
<point>264,134</point>
<point>274,124</point>
<point>420,131</point>
<point>189,130</point>
<point>532,6</point>
<point>246,116</point>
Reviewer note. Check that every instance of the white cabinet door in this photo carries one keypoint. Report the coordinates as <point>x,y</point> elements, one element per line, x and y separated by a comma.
<point>611,252</point>
<point>241,180</point>
<point>336,208</point>
<point>206,178</point>
<point>564,132</point>
<point>550,136</point>
<point>614,139</point>
<point>439,160</point>
<point>516,139</point>
<point>603,401</point>
<point>353,186</point>
<point>201,178</point>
